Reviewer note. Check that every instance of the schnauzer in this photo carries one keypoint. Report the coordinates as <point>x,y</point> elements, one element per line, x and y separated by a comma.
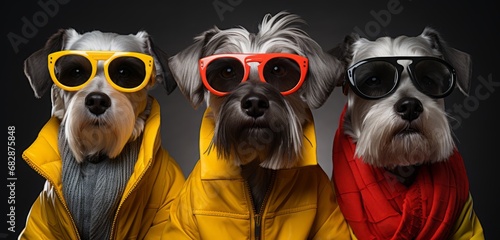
<point>258,173</point>
<point>107,174</point>
<point>394,144</point>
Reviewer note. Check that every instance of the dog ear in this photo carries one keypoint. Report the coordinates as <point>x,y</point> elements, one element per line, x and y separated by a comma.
<point>36,65</point>
<point>461,61</point>
<point>163,74</point>
<point>184,66</point>
<point>325,72</point>
<point>343,52</point>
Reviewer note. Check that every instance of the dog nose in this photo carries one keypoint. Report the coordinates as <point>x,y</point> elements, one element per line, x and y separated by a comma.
<point>97,102</point>
<point>255,105</point>
<point>409,108</point>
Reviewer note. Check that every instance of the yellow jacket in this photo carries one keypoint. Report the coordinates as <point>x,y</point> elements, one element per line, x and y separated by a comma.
<point>215,202</point>
<point>144,207</point>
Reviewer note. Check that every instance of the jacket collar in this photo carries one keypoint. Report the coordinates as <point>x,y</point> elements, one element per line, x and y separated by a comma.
<point>213,167</point>
<point>43,154</point>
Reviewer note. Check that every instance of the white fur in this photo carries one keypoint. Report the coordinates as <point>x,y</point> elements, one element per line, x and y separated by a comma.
<point>374,124</point>
<point>123,121</point>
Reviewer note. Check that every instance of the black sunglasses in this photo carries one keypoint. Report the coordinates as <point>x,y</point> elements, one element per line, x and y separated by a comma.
<point>375,78</point>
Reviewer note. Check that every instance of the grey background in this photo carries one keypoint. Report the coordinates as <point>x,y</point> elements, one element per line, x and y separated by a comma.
<point>472,27</point>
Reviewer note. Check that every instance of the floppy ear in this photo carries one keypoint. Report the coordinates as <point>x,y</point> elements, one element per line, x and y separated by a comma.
<point>325,71</point>
<point>461,61</point>
<point>184,66</point>
<point>343,51</point>
<point>36,66</point>
<point>163,75</point>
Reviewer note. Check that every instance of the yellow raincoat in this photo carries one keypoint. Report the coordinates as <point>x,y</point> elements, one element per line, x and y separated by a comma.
<point>215,202</point>
<point>144,207</point>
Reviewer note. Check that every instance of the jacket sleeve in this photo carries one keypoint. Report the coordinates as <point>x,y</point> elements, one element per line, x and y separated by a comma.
<point>468,225</point>
<point>171,185</point>
<point>41,222</point>
<point>182,222</point>
<point>330,220</point>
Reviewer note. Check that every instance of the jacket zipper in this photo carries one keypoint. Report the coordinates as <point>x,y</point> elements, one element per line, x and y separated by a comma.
<point>258,215</point>
<point>61,199</point>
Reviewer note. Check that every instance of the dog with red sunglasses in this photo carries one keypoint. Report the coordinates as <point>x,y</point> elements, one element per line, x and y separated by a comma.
<point>107,176</point>
<point>258,175</point>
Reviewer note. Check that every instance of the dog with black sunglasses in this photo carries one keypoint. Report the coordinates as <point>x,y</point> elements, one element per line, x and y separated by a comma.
<point>394,145</point>
<point>107,176</point>
<point>258,175</point>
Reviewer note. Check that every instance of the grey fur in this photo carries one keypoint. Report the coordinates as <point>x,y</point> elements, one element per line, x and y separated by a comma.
<point>374,125</point>
<point>35,66</point>
<point>93,189</point>
<point>278,33</point>
<point>69,106</point>
<point>461,61</point>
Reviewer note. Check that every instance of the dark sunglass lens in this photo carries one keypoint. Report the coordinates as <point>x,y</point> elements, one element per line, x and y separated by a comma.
<point>73,70</point>
<point>282,73</point>
<point>433,77</point>
<point>127,72</point>
<point>375,79</point>
<point>225,74</point>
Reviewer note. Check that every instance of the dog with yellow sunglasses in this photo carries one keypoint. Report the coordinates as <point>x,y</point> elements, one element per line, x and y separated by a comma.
<point>107,175</point>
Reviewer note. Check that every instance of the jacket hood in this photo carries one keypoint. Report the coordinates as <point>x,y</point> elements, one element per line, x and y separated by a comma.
<point>213,167</point>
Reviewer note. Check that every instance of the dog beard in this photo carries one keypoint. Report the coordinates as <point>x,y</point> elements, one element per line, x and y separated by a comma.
<point>385,140</point>
<point>274,138</point>
<point>90,135</point>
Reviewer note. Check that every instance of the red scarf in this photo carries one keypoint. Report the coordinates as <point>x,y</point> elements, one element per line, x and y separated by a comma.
<point>377,206</point>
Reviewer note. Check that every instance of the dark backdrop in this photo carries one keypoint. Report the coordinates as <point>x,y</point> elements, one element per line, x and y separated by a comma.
<point>472,27</point>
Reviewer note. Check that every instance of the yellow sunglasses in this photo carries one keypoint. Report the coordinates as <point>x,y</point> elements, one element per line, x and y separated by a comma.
<point>125,71</point>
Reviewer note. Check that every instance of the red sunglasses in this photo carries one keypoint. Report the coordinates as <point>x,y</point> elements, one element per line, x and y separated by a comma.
<point>222,73</point>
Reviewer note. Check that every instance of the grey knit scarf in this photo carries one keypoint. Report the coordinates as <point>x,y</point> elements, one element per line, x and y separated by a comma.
<point>93,189</point>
